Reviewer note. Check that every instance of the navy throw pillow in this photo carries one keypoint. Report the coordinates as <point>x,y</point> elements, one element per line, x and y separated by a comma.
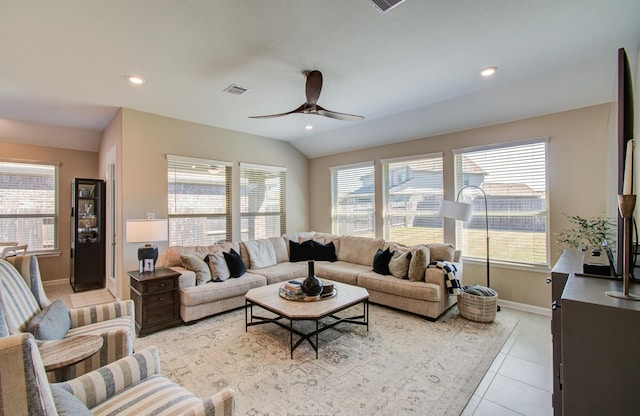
<point>234,263</point>
<point>300,251</point>
<point>381,261</point>
<point>324,252</point>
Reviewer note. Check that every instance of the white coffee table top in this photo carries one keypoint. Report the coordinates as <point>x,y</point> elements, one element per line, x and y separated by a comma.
<point>268,298</point>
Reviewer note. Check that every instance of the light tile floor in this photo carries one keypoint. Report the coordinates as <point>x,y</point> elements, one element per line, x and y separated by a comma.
<point>519,382</point>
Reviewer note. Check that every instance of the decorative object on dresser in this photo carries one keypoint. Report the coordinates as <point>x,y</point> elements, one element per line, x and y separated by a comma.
<point>147,231</point>
<point>157,299</point>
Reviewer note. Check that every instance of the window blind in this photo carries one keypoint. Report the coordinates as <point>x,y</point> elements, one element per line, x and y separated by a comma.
<point>514,178</point>
<point>412,191</point>
<point>199,197</point>
<point>353,200</point>
<point>29,209</point>
<point>262,201</point>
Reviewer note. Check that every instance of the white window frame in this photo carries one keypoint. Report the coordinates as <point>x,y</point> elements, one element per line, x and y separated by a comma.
<point>250,231</point>
<point>412,234</point>
<point>336,193</point>
<point>36,235</point>
<point>497,233</point>
<point>200,166</point>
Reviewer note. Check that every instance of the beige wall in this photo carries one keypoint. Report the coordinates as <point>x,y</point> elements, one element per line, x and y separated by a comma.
<point>580,149</point>
<point>73,164</point>
<point>148,138</point>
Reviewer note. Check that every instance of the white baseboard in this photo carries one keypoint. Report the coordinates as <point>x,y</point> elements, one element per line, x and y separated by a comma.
<point>56,282</point>
<point>524,307</point>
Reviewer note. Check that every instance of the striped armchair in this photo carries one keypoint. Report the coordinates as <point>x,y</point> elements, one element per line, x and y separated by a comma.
<point>129,386</point>
<point>23,297</point>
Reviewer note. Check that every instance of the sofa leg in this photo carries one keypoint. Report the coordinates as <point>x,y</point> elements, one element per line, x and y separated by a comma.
<point>428,318</point>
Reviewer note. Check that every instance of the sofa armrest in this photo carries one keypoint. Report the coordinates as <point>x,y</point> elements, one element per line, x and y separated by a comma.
<point>221,403</point>
<point>435,275</point>
<point>187,278</point>
<point>99,385</point>
<point>100,313</point>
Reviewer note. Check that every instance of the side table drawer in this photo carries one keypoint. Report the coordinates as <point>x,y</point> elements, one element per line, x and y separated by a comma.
<point>156,296</point>
<point>160,285</point>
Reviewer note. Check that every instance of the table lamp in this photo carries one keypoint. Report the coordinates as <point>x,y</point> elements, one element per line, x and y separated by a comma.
<point>147,231</point>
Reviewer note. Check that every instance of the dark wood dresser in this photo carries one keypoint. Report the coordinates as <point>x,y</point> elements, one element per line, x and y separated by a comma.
<point>156,296</point>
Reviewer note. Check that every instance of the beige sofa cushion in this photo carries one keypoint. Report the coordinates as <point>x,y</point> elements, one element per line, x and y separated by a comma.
<point>340,271</point>
<point>358,250</point>
<point>325,238</point>
<point>213,291</point>
<point>173,253</point>
<point>282,272</point>
<point>281,248</point>
<point>405,288</point>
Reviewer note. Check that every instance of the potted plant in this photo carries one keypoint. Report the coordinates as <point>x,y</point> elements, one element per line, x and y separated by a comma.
<point>595,231</point>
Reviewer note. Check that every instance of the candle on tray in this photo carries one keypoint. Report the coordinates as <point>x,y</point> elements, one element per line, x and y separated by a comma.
<point>628,170</point>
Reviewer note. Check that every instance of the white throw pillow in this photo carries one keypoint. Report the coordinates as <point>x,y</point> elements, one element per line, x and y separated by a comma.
<point>261,253</point>
<point>219,269</point>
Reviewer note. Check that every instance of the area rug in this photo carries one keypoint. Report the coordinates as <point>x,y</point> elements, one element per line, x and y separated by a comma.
<point>90,298</point>
<point>404,365</point>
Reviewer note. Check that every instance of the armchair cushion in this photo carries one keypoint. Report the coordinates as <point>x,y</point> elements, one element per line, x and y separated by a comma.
<point>51,323</point>
<point>17,300</point>
<point>30,271</point>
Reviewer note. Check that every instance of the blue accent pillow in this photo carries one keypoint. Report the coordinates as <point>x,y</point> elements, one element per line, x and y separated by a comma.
<point>300,251</point>
<point>381,261</point>
<point>51,323</point>
<point>234,263</point>
<point>67,404</point>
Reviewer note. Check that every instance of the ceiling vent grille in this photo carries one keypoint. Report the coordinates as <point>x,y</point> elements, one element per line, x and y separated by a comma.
<point>235,89</point>
<point>383,6</point>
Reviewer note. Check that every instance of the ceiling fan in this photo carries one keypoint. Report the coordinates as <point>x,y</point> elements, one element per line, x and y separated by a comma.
<point>313,88</point>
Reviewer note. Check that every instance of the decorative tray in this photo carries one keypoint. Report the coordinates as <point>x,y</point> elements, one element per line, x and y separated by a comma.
<point>286,295</point>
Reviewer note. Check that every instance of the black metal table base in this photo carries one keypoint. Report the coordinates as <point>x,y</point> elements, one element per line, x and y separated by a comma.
<point>320,326</point>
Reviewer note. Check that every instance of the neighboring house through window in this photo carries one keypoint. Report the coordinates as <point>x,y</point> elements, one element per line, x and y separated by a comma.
<point>353,200</point>
<point>262,201</point>
<point>29,204</point>
<point>514,178</point>
<point>412,191</point>
<point>199,201</point>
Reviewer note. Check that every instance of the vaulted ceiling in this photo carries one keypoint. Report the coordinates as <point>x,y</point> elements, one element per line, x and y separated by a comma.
<point>412,72</point>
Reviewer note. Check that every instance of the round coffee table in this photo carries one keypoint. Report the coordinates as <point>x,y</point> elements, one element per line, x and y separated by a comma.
<point>60,355</point>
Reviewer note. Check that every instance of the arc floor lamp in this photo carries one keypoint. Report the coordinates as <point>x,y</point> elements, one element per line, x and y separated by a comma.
<point>462,211</point>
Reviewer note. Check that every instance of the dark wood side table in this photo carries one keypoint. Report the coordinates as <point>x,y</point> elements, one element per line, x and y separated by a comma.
<point>156,296</point>
<point>60,355</point>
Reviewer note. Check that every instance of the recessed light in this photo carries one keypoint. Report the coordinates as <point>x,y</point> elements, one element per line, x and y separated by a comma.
<point>134,79</point>
<point>308,127</point>
<point>488,71</point>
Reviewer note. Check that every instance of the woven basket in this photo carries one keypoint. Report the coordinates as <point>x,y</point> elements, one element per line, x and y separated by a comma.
<point>477,308</point>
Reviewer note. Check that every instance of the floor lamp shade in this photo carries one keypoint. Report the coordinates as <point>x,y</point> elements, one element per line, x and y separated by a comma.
<point>456,210</point>
<point>147,231</point>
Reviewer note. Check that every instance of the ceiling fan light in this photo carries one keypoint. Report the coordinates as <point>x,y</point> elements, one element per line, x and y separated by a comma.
<point>488,71</point>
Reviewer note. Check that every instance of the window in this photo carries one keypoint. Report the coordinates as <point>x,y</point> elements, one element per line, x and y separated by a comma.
<point>29,209</point>
<point>412,191</point>
<point>514,179</point>
<point>262,201</point>
<point>199,201</point>
<point>353,200</point>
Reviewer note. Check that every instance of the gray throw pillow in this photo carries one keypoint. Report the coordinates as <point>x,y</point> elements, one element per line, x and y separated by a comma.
<point>67,404</point>
<point>51,323</point>
<point>198,266</point>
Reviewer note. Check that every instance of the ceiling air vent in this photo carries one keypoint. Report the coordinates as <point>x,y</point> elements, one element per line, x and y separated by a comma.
<point>383,6</point>
<point>235,89</point>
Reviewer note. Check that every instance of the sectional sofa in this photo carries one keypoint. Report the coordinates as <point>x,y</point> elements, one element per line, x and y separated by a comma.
<point>411,284</point>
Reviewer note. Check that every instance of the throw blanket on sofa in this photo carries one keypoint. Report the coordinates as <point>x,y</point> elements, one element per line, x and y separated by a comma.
<point>450,269</point>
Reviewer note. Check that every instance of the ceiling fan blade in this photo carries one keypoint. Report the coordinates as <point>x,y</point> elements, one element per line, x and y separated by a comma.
<point>338,116</point>
<point>313,87</point>
<point>297,110</point>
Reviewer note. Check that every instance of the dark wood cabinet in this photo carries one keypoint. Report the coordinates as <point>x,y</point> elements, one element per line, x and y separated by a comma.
<point>156,296</point>
<point>87,234</point>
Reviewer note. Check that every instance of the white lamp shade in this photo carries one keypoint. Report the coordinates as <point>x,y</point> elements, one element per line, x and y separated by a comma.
<point>147,231</point>
<point>457,210</point>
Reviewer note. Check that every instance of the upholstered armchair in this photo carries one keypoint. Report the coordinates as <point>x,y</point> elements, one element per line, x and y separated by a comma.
<point>26,308</point>
<point>129,386</point>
